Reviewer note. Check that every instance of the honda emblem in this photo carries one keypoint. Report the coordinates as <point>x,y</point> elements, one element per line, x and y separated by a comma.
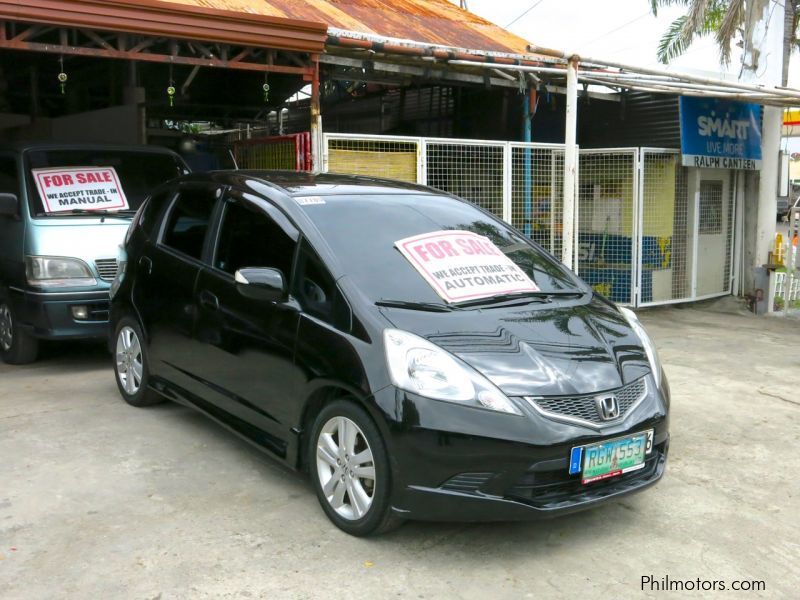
<point>607,407</point>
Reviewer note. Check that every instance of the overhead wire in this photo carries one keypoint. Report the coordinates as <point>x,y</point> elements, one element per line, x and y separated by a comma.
<point>529,9</point>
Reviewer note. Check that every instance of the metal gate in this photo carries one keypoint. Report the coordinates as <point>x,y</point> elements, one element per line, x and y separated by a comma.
<point>687,222</point>
<point>290,152</point>
<point>607,209</point>
<point>648,230</point>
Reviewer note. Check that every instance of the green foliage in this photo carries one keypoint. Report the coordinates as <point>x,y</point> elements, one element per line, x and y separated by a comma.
<point>723,18</point>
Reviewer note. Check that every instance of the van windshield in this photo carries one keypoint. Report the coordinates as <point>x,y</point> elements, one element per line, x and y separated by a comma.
<point>362,230</point>
<point>138,173</point>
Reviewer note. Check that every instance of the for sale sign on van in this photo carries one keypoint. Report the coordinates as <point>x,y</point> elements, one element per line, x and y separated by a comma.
<point>461,265</point>
<point>83,188</point>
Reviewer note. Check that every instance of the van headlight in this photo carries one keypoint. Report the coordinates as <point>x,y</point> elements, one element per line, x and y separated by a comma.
<point>420,367</point>
<point>649,346</point>
<point>58,271</point>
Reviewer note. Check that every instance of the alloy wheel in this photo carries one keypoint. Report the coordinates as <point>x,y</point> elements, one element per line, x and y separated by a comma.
<point>129,360</point>
<point>6,328</point>
<point>346,468</point>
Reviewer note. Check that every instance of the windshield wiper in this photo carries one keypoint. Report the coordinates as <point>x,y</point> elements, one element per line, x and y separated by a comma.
<point>88,211</point>
<point>521,298</point>
<point>425,306</point>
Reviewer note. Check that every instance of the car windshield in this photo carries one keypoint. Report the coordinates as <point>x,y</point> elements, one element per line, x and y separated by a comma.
<point>138,172</point>
<point>362,231</point>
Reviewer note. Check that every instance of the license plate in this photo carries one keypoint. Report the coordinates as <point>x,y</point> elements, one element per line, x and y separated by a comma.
<point>614,457</point>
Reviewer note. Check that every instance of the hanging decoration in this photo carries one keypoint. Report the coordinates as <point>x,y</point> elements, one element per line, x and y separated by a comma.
<point>265,87</point>
<point>171,89</point>
<point>62,76</point>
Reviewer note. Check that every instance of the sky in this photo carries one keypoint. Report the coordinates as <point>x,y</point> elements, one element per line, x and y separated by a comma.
<point>615,30</point>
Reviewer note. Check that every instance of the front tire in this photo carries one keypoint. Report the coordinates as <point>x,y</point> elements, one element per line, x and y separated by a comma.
<point>350,471</point>
<point>131,367</point>
<point>17,346</point>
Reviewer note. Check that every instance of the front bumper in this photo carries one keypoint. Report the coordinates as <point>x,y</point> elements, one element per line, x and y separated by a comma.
<point>451,463</point>
<point>48,315</point>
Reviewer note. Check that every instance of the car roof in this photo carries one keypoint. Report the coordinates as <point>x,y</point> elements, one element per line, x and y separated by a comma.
<point>301,183</point>
<point>24,146</point>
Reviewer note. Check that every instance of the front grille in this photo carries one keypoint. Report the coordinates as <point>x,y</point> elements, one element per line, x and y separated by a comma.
<point>107,268</point>
<point>584,408</point>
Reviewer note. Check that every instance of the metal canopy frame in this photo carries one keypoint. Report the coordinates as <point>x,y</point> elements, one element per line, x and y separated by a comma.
<point>79,41</point>
<point>542,68</point>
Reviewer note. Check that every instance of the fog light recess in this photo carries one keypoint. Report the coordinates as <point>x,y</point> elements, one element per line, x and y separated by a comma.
<point>80,313</point>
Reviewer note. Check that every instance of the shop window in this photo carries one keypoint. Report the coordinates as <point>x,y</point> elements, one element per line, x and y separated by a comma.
<point>710,219</point>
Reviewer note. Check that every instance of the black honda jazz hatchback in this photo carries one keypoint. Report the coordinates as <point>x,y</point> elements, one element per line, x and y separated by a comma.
<point>417,356</point>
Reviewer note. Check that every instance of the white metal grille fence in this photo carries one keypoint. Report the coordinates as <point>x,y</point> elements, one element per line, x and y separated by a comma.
<point>537,193</point>
<point>664,234</point>
<point>519,182</point>
<point>376,156</point>
<point>780,287</point>
<point>607,195</point>
<point>473,171</point>
<point>644,237</point>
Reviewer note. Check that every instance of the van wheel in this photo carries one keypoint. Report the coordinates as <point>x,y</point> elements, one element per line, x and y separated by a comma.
<point>17,347</point>
<point>131,367</point>
<point>350,471</point>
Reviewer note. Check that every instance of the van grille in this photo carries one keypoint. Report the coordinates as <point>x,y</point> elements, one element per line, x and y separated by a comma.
<point>106,268</point>
<point>584,408</point>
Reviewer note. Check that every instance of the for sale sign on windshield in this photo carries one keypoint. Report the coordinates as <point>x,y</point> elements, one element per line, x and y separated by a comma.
<point>83,188</point>
<point>461,265</point>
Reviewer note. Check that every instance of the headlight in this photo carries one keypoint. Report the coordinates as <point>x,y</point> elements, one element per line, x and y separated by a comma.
<point>649,347</point>
<point>56,271</point>
<point>417,366</point>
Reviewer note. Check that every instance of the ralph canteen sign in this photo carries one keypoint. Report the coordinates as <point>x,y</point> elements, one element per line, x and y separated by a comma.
<point>720,134</point>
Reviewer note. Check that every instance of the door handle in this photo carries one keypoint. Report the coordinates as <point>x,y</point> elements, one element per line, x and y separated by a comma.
<point>146,264</point>
<point>209,300</point>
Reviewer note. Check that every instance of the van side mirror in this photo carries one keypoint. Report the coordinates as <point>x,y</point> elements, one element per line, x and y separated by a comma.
<point>259,283</point>
<point>9,205</point>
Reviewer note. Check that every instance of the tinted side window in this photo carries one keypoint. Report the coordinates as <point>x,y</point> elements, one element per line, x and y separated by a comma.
<point>249,238</point>
<point>149,213</point>
<point>317,292</point>
<point>9,179</point>
<point>188,221</point>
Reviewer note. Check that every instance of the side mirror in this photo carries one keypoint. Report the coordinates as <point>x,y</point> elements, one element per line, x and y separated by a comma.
<point>9,205</point>
<point>259,283</point>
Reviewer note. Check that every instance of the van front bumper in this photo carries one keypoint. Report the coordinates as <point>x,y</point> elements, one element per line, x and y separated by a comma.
<point>50,315</point>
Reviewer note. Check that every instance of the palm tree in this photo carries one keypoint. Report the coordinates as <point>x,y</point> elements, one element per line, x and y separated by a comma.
<point>727,20</point>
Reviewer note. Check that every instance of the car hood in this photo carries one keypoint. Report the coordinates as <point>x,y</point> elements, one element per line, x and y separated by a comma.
<point>85,238</point>
<point>559,348</point>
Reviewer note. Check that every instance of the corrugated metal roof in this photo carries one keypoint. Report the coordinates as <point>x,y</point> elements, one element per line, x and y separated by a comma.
<point>428,21</point>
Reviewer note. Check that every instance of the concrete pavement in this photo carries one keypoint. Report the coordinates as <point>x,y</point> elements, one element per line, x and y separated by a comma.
<point>98,499</point>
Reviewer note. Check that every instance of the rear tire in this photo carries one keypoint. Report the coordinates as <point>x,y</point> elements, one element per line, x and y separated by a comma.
<point>131,366</point>
<point>349,469</point>
<point>17,346</point>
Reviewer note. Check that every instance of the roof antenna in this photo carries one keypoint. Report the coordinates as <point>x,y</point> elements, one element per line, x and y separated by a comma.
<point>233,158</point>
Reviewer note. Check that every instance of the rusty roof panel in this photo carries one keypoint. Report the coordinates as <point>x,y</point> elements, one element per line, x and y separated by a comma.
<point>199,20</point>
<point>428,21</point>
